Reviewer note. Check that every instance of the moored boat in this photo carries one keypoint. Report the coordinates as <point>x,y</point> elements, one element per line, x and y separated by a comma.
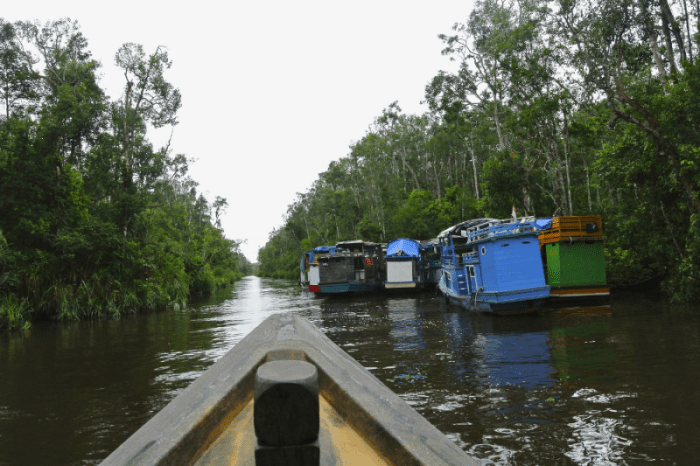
<point>219,418</point>
<point>406,265</point>
<point>491,265</point>
<point>306,258</point>
<point>573,256</point>
<point>309,266</point>
<point>357,266</point>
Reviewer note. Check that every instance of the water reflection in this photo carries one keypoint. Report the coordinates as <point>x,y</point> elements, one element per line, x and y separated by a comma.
<point>581,353</point>
<point>500,352</point>
<point>611,385</point>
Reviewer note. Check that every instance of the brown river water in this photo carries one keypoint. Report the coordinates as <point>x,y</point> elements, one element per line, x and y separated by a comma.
<point>612,385</point>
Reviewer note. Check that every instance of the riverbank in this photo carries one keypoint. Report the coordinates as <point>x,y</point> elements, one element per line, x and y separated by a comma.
<point>96,300</point>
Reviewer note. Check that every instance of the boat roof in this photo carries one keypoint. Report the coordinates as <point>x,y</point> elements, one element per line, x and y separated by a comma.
<point>457,229</point>
<point>357,244</point>
<point>403,247</point>
<point>543,223</point>
<point>325,249</point>
<point>351,242</point>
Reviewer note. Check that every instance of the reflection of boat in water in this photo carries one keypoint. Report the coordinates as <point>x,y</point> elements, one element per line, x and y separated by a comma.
<point>580,351</point>
<point>572,252</point>
<point>491,265</point>
<point>500,352</point>
<point>283,378</point>
<point>356,266</point>
<point>603,309</point>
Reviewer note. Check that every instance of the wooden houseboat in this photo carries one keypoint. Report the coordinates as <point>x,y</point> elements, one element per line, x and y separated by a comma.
<point>309,267</point>
<point>286,394</point>
<point>357,266</point>
<point>573,256</point>
<point>491,265</point>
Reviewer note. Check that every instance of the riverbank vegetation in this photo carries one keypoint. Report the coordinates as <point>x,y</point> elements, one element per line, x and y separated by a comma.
<point>94,220</point>
<point>586,107</point>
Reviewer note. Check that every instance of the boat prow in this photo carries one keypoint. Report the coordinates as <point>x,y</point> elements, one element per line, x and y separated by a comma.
<point>361,420</point>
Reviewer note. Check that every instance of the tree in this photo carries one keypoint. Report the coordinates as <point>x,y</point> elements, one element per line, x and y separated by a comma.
<point>18,80</point>
<point>148,99</point>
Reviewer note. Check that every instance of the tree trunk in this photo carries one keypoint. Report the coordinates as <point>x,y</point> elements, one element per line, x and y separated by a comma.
<point>669,43</point>
<point>476,179</point>
<point>651,33</point>
<point>675,28</point>
<point>566,161</point>
<point>670,229</point>
<point>501,137</point>
<point>687,28</point>
<point>560,174</point>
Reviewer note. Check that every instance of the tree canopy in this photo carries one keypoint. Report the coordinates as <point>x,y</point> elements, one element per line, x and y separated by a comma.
<point>93,219</point>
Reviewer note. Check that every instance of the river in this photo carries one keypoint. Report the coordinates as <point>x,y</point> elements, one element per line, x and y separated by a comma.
<point>616,384</point>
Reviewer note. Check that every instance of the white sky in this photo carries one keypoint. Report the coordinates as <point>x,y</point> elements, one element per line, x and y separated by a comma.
<point>272,91</point>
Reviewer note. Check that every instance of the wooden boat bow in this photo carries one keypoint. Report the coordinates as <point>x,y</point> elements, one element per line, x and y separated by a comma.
<point>208,423</point>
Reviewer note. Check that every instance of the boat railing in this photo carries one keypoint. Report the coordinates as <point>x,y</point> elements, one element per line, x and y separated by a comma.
<point>470,255</point>
<point>573,228</point>
<point>490,230</point>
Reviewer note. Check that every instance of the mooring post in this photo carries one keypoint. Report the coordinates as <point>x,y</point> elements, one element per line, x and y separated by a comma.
<point>286,414</point>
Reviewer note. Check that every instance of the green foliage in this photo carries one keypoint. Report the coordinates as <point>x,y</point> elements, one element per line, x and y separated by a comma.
<point>14,313</point>
<point>93,220</point>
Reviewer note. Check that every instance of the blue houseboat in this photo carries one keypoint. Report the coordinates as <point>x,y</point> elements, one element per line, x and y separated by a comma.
<point>491,265</point>
<point>356,266</point>
<point>406,264</point>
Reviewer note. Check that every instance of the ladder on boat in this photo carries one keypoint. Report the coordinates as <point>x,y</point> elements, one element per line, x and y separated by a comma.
<point>462,282</point>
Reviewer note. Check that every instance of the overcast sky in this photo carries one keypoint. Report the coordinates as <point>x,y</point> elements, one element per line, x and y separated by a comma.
<point>272,91</point>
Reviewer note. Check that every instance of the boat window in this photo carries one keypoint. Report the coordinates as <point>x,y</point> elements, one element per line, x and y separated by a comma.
<point>483,250</point>
<point>504,245</point>
<point>526,242</point>
<point>471,272</point>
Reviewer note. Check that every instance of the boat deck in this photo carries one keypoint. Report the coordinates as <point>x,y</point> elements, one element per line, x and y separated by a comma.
<point>339,443</point>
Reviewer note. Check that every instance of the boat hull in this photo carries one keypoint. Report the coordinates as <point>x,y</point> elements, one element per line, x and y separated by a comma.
<point>523,301</point>
<point>349,287</point>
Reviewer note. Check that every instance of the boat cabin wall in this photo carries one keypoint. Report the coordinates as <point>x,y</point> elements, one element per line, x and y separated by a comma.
<point>314,277</point>
<point>575,264</point>
<point>511,263</point>
<point>372,267</point>
<point>401,271</point>
<point>336,270</point>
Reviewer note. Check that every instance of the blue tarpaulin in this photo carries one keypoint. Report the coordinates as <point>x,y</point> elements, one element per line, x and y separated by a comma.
<point>543,223</point>
<point>402,247</point>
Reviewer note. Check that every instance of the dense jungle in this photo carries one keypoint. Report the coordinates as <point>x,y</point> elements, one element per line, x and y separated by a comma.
<point>558,107</point>
<point>94,220</point>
